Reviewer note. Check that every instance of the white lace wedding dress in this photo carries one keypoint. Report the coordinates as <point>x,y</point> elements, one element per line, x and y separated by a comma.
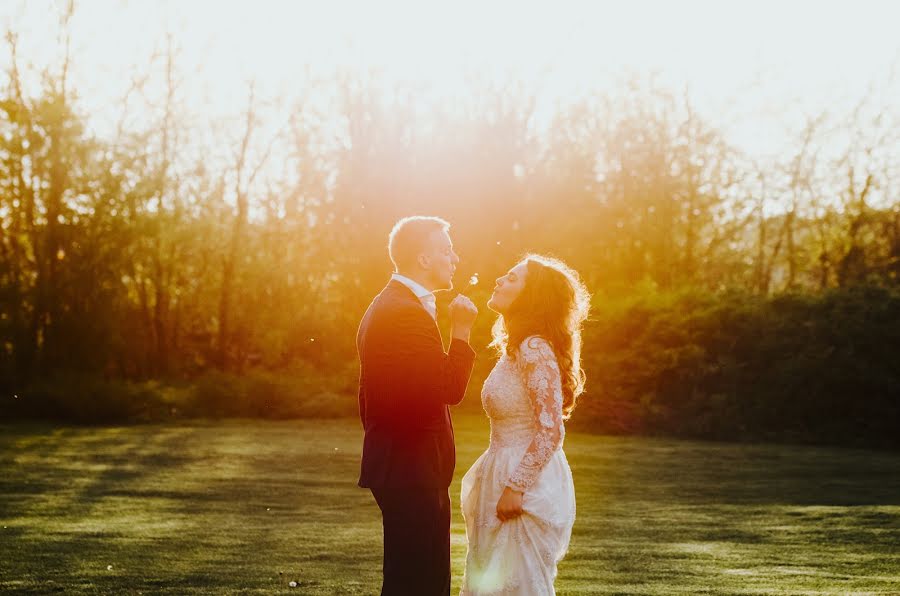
<point>523,399</point>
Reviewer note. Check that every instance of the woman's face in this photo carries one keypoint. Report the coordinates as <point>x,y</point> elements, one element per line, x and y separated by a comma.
<point>508,289</point>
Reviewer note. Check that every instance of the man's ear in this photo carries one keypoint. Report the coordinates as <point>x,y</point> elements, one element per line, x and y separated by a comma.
<point>424,261</point>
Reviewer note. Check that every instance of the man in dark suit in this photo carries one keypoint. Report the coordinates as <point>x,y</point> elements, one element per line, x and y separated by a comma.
<point>407,383</point>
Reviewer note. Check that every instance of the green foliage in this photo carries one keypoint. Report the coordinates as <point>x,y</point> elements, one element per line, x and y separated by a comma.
<point>80,398</point>
<point>736,366</point>
<point>260,394</point>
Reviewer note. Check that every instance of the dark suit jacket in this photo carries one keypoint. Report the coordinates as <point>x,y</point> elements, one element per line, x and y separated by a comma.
<point>406,384</point>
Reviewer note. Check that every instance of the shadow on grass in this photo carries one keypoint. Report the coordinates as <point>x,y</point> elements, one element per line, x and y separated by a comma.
<point>249,506</point>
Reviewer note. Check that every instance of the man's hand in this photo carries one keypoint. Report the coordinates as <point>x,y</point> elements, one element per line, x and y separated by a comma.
<point>510,504</point>
<point>462,316</point>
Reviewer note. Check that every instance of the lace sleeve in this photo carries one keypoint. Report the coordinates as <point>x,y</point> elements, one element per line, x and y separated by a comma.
<point>543,383</point>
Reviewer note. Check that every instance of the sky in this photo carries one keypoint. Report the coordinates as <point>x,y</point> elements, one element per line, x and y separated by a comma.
<point>753,68</point>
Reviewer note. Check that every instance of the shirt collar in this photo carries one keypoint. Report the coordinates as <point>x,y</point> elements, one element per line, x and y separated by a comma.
<point>417,288</point>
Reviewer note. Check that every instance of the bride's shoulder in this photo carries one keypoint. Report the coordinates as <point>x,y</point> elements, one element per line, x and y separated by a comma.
<point>535,348</point>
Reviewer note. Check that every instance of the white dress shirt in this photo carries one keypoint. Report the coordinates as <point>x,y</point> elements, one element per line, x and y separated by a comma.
<point>426,297</point>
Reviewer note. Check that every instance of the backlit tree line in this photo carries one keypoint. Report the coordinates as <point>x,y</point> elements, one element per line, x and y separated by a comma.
<point>181,244</point>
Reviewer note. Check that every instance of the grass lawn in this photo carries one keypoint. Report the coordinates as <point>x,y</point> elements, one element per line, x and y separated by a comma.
<point>249,506</point>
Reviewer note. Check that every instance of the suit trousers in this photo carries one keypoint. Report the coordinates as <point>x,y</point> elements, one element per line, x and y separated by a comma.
<point>416,524</point>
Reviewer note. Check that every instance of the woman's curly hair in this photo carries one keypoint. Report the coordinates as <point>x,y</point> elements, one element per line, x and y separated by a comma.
<point>553,304</point>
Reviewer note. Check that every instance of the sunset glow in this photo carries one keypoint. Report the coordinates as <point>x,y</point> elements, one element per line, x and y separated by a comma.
<point>753,67</point>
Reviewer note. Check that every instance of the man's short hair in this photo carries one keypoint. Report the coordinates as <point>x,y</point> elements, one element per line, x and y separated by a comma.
<point>409,236</point>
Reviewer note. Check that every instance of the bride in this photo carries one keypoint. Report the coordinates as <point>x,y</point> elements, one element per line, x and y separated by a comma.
<point>518,498</point>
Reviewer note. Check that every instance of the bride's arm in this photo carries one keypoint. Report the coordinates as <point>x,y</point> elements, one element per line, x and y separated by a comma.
<point>544,385</point>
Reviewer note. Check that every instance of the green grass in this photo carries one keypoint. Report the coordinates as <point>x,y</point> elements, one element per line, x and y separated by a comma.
<point>248,506</point>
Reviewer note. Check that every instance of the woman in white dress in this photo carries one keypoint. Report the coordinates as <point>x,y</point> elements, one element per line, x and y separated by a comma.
<point>518,498</point>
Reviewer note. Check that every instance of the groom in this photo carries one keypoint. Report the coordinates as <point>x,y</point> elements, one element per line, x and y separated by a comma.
<point>406,384</point>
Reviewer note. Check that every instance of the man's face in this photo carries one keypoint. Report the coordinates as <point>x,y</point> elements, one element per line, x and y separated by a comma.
<point>439,260</point>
